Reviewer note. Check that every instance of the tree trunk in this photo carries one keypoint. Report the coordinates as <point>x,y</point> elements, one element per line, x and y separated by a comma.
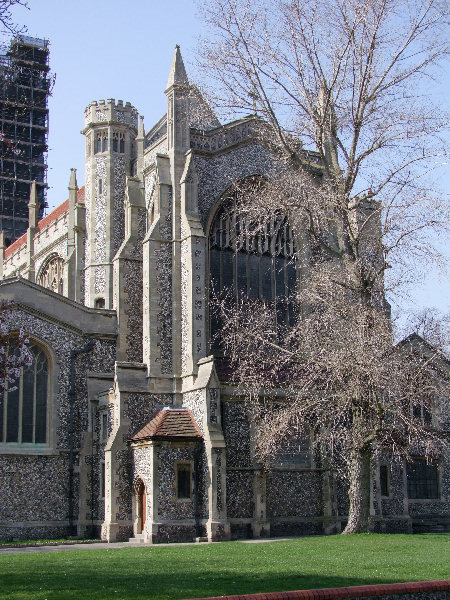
<point>359,492</point>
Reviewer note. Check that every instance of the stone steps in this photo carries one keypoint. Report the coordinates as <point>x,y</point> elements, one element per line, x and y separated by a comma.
<point>136,540</point>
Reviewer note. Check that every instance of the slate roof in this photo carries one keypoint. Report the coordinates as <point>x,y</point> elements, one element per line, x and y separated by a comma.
<point>43,223</point>
<point>170,424</point>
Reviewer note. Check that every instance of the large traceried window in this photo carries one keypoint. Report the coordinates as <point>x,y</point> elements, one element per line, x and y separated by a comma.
<point>24,406</point>
<point>258,265</point>
<point>51,275</point>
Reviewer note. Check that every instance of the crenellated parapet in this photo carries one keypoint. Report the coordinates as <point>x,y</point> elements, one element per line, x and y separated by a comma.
<point>108,111</point>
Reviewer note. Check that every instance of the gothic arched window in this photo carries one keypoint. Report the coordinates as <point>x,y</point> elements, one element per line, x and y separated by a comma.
<point>51,275</point>
<point>24,404</point>
<point>118,142</point>
<point>257,262</point>
<point>101,141</point>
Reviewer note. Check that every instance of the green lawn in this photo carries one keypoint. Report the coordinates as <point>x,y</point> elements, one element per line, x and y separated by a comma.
<point>176,572</point>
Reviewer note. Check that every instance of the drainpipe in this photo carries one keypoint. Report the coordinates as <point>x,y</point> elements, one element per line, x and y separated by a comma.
<point>87,347</point>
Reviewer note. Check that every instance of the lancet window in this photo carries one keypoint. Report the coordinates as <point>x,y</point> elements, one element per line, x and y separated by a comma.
<point>101,141</point>
<point>118,142</point>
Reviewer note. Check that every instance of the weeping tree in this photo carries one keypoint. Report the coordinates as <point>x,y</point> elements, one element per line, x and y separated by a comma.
<point>339,92</point>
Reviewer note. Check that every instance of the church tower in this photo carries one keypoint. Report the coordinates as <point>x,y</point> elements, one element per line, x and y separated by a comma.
<point>110,131</point>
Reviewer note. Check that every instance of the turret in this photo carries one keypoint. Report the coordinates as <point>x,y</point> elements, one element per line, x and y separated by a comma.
<point>33,207</point>
<point>110,131</point>
<point>33,218</point>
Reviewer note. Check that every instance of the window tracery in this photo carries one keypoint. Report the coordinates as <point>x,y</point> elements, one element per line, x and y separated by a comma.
<point>253,261</point>
<point>51,275</point>
<point>119,142</point>
<point>101,141</point>
<point>23,406</point>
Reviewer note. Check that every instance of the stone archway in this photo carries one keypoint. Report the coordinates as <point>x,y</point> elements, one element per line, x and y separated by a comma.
<point>141,505</point>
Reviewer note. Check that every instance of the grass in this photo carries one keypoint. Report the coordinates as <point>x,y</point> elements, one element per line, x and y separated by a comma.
<point>177,572</point>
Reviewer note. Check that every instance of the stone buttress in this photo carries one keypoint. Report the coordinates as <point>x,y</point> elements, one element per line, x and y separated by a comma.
<point>174,350</point>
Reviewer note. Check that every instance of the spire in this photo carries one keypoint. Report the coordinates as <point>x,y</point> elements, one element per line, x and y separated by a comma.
<point>177,75</point>
<point>33,206</point>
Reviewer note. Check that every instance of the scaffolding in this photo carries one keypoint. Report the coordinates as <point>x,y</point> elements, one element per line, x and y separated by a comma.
<point>25,87</point>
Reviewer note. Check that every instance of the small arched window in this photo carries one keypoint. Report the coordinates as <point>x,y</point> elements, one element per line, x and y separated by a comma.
<point>51,274</point>
<point>101,141</point>
<point>118,142</point>
<point>24,404</point>
<point>99,303</point>
<point>256,262</point>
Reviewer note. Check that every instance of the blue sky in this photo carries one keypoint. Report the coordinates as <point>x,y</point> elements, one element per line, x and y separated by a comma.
<point>124,50</point>
<point>101,50</point>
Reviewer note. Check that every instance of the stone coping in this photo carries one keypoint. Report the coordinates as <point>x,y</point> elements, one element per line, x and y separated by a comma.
<point>361,591</point>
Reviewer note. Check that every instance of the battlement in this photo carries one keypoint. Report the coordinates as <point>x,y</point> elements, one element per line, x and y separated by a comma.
<point>108,111</point>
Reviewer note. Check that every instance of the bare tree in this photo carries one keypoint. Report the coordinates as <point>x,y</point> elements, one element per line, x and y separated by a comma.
<point>350,77</point>
<point>14,351</point>
<point>7,22</point>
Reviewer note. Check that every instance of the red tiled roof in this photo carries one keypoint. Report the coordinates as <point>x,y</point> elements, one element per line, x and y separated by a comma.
<point>418,589</point>
<point>170,423</point>
<point>53,216</point>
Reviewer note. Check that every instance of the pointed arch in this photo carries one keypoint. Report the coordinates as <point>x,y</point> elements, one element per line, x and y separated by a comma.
<point>140,504</point>
<point>258,262</point>
<point>51,273</point>
<point>25,403</point>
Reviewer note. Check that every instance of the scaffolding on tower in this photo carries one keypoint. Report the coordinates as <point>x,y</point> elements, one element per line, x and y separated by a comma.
<point>25,86</point>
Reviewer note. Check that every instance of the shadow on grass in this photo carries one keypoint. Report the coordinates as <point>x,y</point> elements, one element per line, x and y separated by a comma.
<point>162,573</point>
<point>93,584</point>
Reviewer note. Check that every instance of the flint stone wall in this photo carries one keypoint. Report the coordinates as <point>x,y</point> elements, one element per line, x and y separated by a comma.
<point>35,486</point>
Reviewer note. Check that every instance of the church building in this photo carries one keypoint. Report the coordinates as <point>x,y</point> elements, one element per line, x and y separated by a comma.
<point>126,425</point>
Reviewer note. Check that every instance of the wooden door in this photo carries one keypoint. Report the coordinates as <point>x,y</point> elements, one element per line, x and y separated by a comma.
<point>142,507</point>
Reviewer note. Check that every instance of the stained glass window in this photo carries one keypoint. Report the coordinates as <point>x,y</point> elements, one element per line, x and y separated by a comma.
<point>258,263</point>
<point>23,406</point>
